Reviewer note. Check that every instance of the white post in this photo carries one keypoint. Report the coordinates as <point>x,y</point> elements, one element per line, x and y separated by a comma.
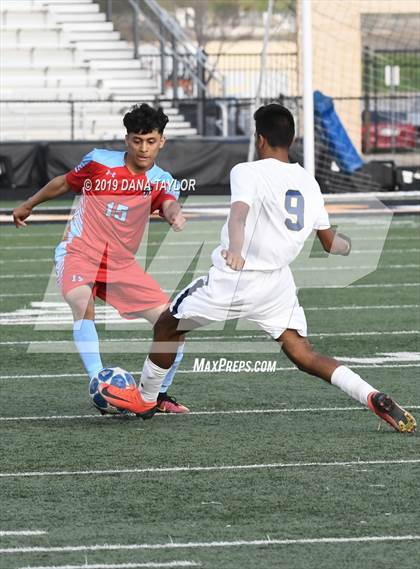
<point>257,100</point>
<point>308,97</point>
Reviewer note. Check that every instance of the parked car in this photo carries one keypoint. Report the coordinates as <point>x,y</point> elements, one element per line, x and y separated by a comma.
<point>387,131</point>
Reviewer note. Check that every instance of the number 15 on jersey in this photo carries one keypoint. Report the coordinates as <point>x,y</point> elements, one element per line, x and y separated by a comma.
<point>117,211</point>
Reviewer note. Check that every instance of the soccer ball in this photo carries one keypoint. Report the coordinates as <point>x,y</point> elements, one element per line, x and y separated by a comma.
<point>113,376</point>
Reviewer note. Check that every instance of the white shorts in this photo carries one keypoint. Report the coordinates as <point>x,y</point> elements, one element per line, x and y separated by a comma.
<point>267,298</point>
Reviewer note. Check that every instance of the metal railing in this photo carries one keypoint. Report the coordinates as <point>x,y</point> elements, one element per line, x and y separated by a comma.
<point>174,44</point>
<point>223,116</point>
<point>240,71</point>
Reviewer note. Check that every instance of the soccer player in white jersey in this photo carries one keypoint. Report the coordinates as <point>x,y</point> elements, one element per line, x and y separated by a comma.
<point>275,206</point>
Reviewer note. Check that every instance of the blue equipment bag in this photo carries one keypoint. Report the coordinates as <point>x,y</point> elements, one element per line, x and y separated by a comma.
<point>334,134</point>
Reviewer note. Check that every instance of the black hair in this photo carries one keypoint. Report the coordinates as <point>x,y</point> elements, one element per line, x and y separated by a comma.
<point>276,124</point>
<point>142,119</point>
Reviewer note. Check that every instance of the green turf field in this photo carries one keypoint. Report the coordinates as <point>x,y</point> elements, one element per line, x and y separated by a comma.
<point>270,470</point>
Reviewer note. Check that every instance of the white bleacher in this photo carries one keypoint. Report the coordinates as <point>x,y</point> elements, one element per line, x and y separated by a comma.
<point>57,50</point>
<point>35,56</point>
<point>88,35</point>
<point>57,70</point>
<point>87,131</point>
<point>14,18</point>
<point>78,27</point>
<point>16,38</point>
<point>48,80</point>
<point>51,94</point>
<point>113,51</point>
<point>98,108</point>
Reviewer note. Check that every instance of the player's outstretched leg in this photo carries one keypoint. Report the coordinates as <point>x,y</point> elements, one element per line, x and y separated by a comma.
<point>166,340</point>
<point>166,403</point>
<point>300,352</point>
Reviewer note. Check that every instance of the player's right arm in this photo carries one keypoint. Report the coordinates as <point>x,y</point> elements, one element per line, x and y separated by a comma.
<point>333,242</point>
<point>243,191</point>
<point>55,187</point>
<point>236,228</point>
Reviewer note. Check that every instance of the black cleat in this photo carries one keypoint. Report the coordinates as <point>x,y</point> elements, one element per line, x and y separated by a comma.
<point>389,410</point>
<point>168,404</point>
<point>148,414</point>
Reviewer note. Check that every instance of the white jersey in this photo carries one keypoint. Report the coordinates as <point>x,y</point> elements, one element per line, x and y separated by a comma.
<point>285,205</point>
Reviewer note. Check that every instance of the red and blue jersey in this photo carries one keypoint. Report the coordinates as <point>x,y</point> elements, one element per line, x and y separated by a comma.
<point>114,206</point>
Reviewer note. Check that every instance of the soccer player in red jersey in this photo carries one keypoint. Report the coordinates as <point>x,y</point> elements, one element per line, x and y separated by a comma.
<point>118,192</point>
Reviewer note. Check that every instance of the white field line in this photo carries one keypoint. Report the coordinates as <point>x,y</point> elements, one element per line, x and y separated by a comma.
<point>137,372</point>
<point>373,285</point>
<point>30,235</point>
<point>224,203</point>
<point>218,224</point>
<point>396,221</point>
<point>211,544</point>
<point>59,234</point>
<point>224,338</point>
<point>294,269</point>
<point>223,467</point>
<point>216,232</point>
<point>382,357</point>
<point>27,247</point>
<point>199,413</point>
<point>24,532</point>
<point>332,198</point>
<point>222,211</point>
<point>191,371</point>
<point>179,244</point>
<point>360,307</point>
<point>60,313</point>
<point>213,232</point>
<point>151,564</point>
<point>166,257</point>
<point>58,309</point>
<point>338,287</point>
<point>328,198</point>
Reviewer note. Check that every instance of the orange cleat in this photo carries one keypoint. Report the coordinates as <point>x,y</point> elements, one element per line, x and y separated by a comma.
<point>129,398</point>
<point>389,410</point>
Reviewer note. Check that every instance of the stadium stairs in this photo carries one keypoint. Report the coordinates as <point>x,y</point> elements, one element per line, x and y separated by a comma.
<point>56,50</point>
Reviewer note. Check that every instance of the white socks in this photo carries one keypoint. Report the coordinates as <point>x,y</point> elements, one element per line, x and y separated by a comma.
<point>343,377</point>
<point>151,380</point>
<point>352,384</point>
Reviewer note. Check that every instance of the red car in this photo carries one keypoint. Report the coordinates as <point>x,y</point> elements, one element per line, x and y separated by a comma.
<point>385,134</point>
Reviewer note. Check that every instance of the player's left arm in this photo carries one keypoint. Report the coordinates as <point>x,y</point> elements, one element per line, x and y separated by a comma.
<point>236,227</point>
<point>333,242</point>
<point>172,212</point>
